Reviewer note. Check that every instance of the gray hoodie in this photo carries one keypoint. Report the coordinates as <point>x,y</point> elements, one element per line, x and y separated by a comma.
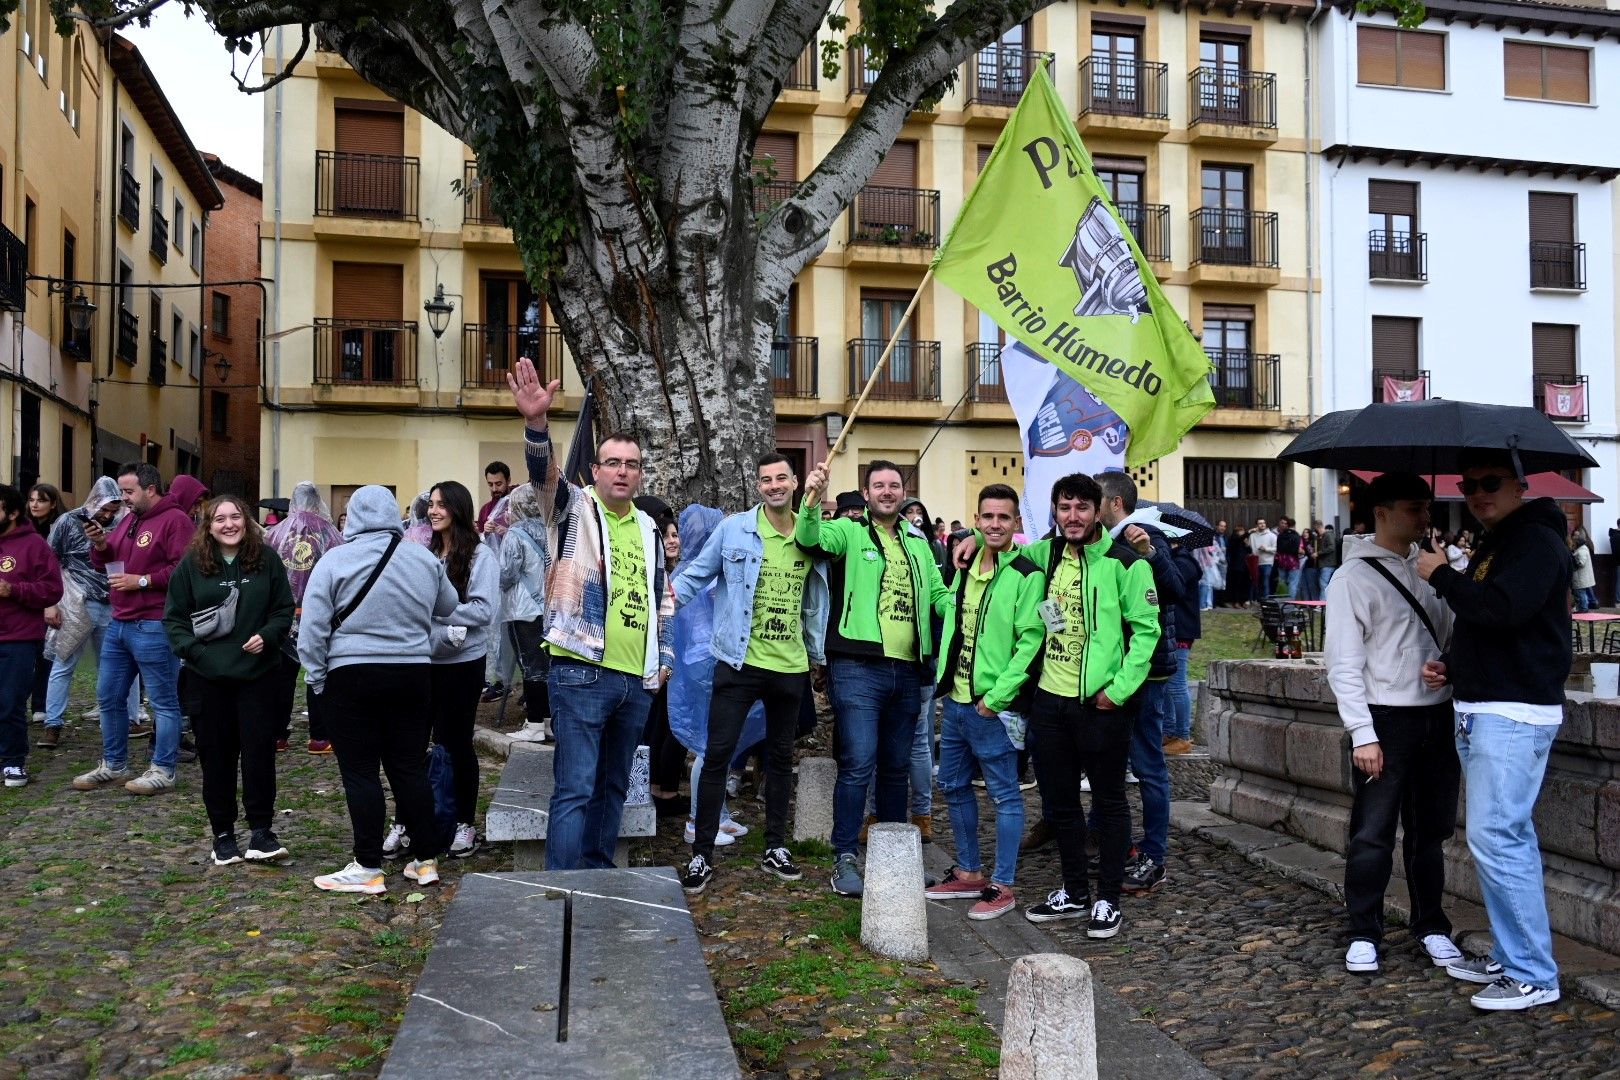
<point>1375,643</point>
<point>474,614</point>
<point>394,624</point>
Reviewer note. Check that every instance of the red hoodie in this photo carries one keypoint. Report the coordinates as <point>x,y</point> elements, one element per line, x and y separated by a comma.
<point>29,566</point>
<point>150,544</point>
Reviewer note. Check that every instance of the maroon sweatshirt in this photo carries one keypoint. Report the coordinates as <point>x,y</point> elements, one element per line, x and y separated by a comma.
<point>150,544</point>
<point>29,566</point>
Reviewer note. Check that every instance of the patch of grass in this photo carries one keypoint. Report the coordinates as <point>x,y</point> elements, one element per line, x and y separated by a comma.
<point>385,938</point>
<point>1227,635</point>
<point>768,1044</point>
<point>979,1038</point>
<point>199,1050</point>
<point>812,851</point>
<point>346,922</point>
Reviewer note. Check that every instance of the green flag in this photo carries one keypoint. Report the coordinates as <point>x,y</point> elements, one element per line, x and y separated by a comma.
<point>1039,248</point>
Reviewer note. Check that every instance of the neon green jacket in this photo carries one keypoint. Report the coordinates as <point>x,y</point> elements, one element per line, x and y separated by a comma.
<point>1009,635</point>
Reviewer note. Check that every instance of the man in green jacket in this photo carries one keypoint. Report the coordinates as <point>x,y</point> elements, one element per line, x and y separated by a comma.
<point>993,633</point>
<point>1102,621</point>
<point>880,641</point>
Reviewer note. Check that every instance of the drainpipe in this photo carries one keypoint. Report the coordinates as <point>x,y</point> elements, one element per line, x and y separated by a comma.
<point>1317,509</point>
<point>273,316</point>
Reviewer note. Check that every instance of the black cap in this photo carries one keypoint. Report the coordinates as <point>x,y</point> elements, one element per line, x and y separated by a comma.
<point>1391,487</point>
<point>851,500</point>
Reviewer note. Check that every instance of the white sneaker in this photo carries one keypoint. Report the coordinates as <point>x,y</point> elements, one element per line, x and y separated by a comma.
<point>423,871</point>
<point>92,713</point>
<point>154,781</point>
<point>530,732</point>
<point>1130,777</point>
<point>353,878</point>
<point>1085,784</point>
<point>1362,956</point>
<point>721,838</point>
<point>396,843</point>
<point>733,828</point>
<point>144,717</point>
<point>465,842</point>
<point>1441,949</point>
<point>39,718</point>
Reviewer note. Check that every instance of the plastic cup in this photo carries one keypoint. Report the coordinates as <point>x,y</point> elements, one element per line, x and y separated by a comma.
<point>114,568</point>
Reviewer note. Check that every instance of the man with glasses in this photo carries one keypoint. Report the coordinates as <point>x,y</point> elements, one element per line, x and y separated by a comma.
<point>608,612</point>
<point>1510,654</point>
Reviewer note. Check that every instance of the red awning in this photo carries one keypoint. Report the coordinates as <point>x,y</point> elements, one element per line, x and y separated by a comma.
<point>1542,486</point>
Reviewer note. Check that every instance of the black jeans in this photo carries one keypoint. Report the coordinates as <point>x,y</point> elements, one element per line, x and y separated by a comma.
<point>1069,737</point>
<point>236,726</point>
<point>666,755</point>
<point>455,709</point>
<point>1419,789</point>
<point>375,716</point>
<point>734,694</point>
<point>529,643</point>
<point>287,692</point>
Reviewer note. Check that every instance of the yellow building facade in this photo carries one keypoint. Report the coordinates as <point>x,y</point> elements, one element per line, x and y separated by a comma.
<point>1196,124</point>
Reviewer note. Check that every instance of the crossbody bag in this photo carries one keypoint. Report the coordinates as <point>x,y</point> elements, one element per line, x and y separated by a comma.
<point>376,572</point>
<point>1410,599</point>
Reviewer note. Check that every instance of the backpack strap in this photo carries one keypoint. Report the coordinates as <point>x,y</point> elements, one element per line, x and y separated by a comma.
<point>376,572</point>
<point>1410,599</point>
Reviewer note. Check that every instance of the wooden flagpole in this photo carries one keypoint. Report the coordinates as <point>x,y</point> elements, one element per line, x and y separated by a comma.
<point>849,421</point>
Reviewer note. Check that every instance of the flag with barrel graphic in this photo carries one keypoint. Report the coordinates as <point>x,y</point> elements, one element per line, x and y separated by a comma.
<point>1041,249</point>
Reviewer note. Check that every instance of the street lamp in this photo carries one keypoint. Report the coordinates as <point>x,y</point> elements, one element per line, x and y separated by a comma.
<point>439,309</point>
<point>81,310</point>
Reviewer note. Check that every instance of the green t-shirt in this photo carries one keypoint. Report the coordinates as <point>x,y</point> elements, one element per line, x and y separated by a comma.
<point>967,617</point>
<point>1060,670</point>
<point>776,638</point>
<point>897,604</point>
<point>625,629</point>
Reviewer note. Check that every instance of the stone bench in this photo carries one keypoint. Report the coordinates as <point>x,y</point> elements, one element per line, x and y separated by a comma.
<point>569,973</point>
<point>520,809</point>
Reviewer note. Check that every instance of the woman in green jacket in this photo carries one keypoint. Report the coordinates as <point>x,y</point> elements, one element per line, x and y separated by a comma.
<point>235,669</point>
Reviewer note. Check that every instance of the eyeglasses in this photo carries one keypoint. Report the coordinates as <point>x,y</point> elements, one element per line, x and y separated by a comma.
<point>1490,485</point>
<point>613,464</point>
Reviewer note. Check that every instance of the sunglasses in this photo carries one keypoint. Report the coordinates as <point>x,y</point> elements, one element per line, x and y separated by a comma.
<point>1490,485</point>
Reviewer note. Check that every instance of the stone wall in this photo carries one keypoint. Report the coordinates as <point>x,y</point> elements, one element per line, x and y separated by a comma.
<point>1284,758</point>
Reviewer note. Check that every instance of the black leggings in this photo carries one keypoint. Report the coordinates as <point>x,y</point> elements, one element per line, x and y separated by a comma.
<point>236,727</point>
<point>668,756</point>
<point>375,712</point>
<point>454,709</point>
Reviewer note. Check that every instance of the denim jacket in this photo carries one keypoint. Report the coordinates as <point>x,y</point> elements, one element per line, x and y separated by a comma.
<point>732,559</point>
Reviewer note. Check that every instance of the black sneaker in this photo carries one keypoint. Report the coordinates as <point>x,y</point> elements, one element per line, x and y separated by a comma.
<point>1105,920</point>
<point>225,850</point>
<point>780,862</point>
<point>698,875</point>
<point>264,846</point>
<point>1058,906</point>
<point>1142,875</point>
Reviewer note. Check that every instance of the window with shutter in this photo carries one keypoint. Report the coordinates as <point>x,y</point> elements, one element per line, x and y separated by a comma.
<point>984,156</point>
<point>1547,72</point>
<point>1375,55</point>
<point>1552,352</point>
<point>1552,217</point>
<point>1394,248</point>
<point>368,291</point>
<point>1413,59</point>
<point>898,169</point>
<point>1395,346</point>
<point>782,148</point>
<point>368,303</point>
<point>370,168</point>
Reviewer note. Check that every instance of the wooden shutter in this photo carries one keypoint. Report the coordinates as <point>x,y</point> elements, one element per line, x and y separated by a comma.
<point>1228,313</point>
<point>1552,217</point>
<point>898,169</point>
<point>1521,64</point>
<point>1375,55</point>
<point>1395,345</point>
<point>1392,197</point>
<point>984,156</point>
<point>1422,60</point>
<point>370,131</point>
<point>1568,73</point>
<point>1552,351</point>
<point>368,291</point>
<point>783,149</point>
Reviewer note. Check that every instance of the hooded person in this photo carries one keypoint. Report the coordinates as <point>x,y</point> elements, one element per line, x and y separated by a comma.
<point>366,652</point>
<point>188,492</point>
<point>30,582</point>
<point>139,555</point>
<point>417,529</point>
<point>301,539</point>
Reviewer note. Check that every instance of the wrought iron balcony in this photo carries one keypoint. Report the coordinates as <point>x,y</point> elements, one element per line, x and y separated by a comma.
<point>129,199</point>
<point>912,373</point>
<point>366,185</point>
<point>365,352</point>
<point>1120,86</point>
<point>13,271</point>
<point>1557,265</point>
<point>477,208</point>
<point>999,73</point>
<point>1245,380</point>
<point>157,372</point>
<point>1397,256</point>
<point>1576,409</point>
<point>489,351</point>
<point>805,71</point>
<point>1380,374</point>
<point>1150,224</point>
<point>984,373</point>
<point>796,367</point>
<point>1234,237</point>
<point>902,217</point>
<point>768,194</point>
<point>160,237</point>
<point>1224,95</point>
<point>129,331</point>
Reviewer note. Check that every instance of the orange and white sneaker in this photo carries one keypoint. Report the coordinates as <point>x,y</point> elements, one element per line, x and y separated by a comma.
<point>423,871</point>
<point>353,878</point>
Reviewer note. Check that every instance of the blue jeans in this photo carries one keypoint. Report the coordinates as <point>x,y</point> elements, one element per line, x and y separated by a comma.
<point>17,662</point>
<point>966,737</point>
<point>597,714</point>
<point>1178,719</point>
<point>62,668</point>
<point>1503,762</point>
<point>1324,574</point>
<point>1290,579</point>
<point>1153,714</point>
<point>1586,599</point>
<point>1310,584</point>
<point>1266,582</point>
<point>876,704</point>
<point>127,649</point>
<point>1206,596</point>
<point>922,755</point>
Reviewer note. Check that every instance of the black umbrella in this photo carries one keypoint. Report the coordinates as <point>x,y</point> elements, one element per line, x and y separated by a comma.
<point>280,506</point>
<point>1200,533</point>
<point>1429,437</point>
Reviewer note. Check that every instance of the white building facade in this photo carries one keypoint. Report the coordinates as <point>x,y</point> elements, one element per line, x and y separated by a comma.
<point>1467,218</point>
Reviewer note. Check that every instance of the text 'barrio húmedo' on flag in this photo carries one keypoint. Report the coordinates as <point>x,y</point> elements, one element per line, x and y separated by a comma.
<point>1041,249</point>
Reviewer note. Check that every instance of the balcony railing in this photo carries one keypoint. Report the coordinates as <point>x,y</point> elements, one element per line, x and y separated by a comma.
<point>365,352</point>
<point>1397,256</point>
<point>796,367</point>
<point>1557,265</point>
<point>157,360</point>
<point>129,198</point>
<point>1119,86</point>
<point>768,194</point>
<point>998,74</point>
<point>1150,224</point>
<point>1245,380</point>
<point>365,185</point>
<point>160,237</point>
<point>861,77</point>
<point>13,271</point>
<point>1380,374</point>
<point>477,208</point>
<point>489,351</point>
<point>129,331</point>
<point>984,373</point>
<point>1224,95</point>
<point>806,69</point>
<point>1234,237</point>
<point>1576,409</point>
<point>912,373</point>
<point>903,217</point>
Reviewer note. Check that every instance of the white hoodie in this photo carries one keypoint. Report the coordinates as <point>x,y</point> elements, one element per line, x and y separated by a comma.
<point>1376,645</point>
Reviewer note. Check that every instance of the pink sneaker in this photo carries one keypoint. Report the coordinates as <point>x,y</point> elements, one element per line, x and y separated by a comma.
<point>996,901</point>
<point>955,887</point>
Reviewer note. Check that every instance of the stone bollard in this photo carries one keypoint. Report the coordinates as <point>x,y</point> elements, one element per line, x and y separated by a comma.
<point>1050,1030</point>
<point>894,913</point>
<point>812,814</point>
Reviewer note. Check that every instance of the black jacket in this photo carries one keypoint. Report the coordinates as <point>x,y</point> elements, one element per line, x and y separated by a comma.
<point>1511,641</point>
<point>1173,584</point>
<point>1189,622</point>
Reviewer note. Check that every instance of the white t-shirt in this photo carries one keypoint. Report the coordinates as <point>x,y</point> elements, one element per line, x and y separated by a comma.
<point>1456,558</point>
<point>1518,711</point>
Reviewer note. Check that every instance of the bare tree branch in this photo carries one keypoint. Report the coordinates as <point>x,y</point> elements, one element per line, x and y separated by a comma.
<point>279,77</point>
